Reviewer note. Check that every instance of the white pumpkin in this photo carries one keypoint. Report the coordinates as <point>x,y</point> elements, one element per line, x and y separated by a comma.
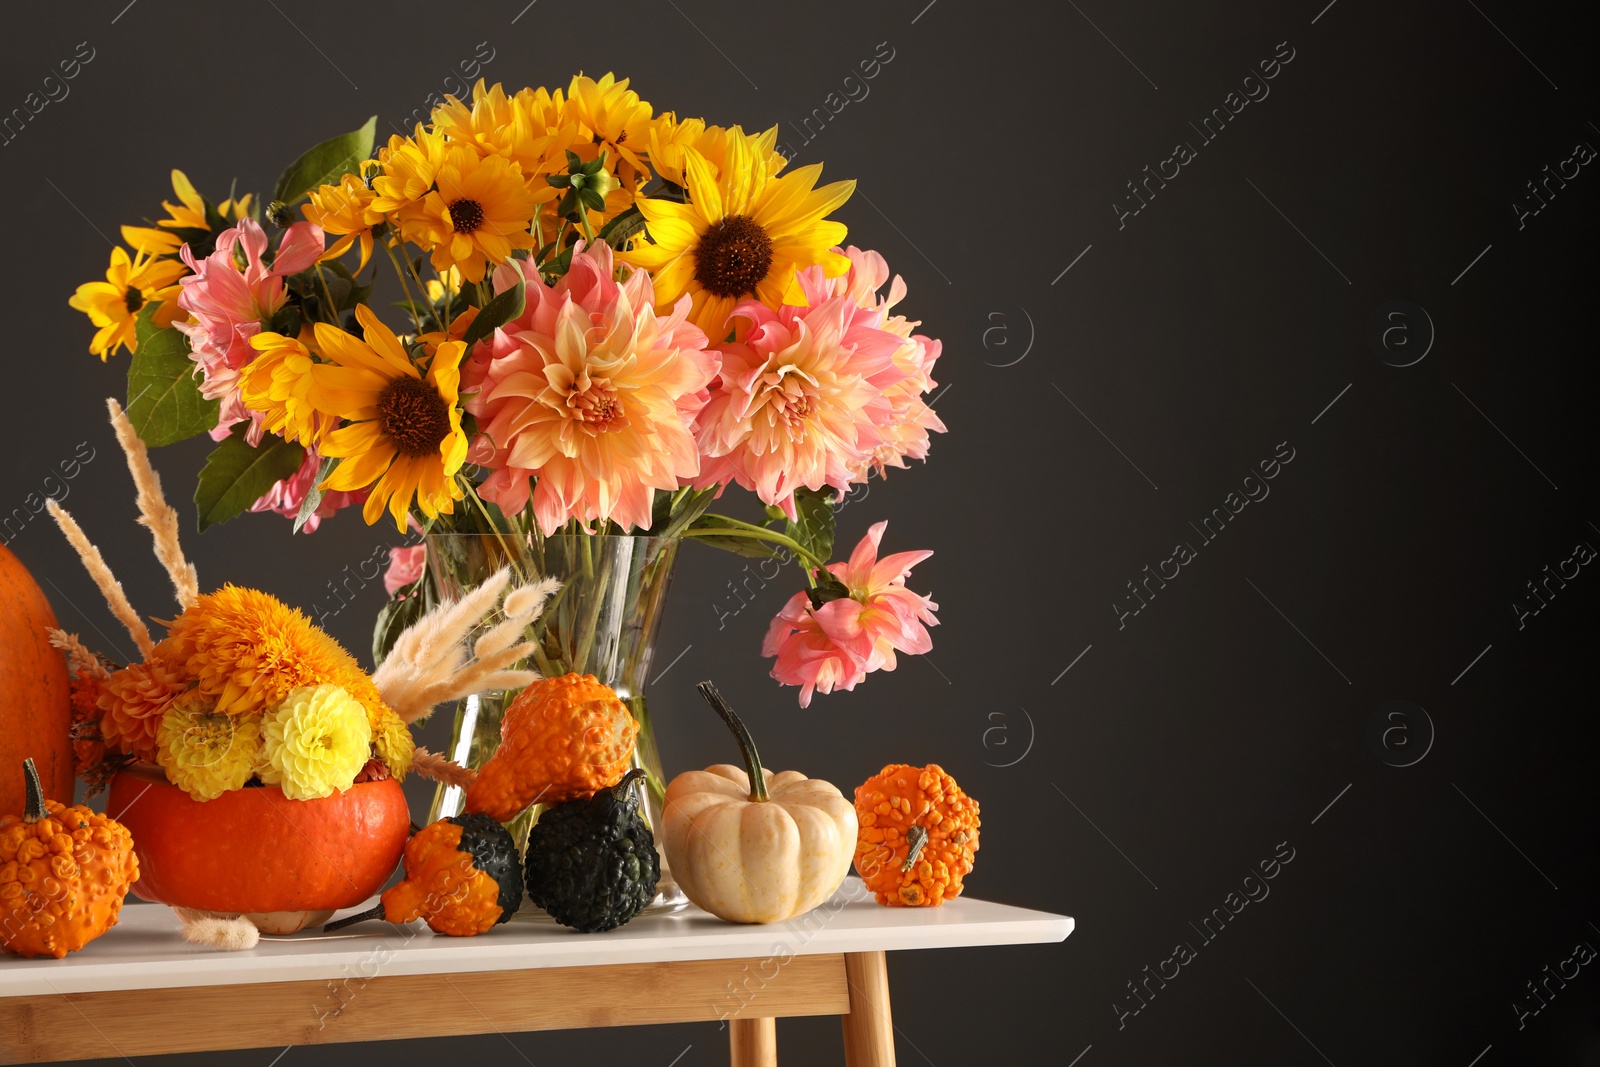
<point>755,855</point>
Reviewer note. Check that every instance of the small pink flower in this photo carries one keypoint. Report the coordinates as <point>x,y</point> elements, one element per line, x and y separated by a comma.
<point>840,643</point>
<point>286,495</point>
<point>405,566</point>
<point>227,305</point>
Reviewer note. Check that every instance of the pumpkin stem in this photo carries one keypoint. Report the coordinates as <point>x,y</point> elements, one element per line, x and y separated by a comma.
<point>752,761</point>
<point>35,809</point>
<point>374,912</point>
<point>916,837</point>
<point>624,792</point>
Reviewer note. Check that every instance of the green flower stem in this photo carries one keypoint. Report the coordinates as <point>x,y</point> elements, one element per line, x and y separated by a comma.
<point>404,287</point>
<point>761,533</point>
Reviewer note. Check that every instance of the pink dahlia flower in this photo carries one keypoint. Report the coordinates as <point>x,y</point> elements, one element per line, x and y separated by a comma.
<point>590,393</point>
<point>904,432</point>
<point>840,643</point>
<point>801,401</point>
<point>227,306</point>
<point>288,494</point>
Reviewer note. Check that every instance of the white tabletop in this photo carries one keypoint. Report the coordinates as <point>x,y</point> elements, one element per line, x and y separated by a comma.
<point>146,951</point>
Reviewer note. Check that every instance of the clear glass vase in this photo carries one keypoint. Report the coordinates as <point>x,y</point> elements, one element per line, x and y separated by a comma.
<point>602,621</point>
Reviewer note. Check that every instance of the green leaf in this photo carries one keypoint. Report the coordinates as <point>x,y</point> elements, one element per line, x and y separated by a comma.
<point>708,530</point>
<point>313,500</point>
<point>326,163</point>
<point>497,312</point>
<point>236,475</point>
<point>828,588</point>
<point>164,401</point>
<point>814,527</point>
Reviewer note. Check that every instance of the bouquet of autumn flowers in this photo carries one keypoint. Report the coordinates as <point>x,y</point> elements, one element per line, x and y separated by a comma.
<point>607,317</point>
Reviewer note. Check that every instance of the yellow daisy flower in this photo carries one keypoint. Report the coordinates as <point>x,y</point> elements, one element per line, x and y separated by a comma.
<point>743,233</point>
<point>189,213</point>
<point>612,119</point>
<point>481,210</point>
<point>316,742</point>
<point>407,167</point>
<point>206,753</point>
<point>531,129</point>
<point>114,304</point>
<point>404,434</point>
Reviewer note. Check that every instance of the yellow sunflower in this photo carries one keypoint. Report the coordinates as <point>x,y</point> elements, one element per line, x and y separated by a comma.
<point>481,210</point>
<point>744,232</point>
<point>531,129</point>
<point>613,120</point>
<point>114,304</point>
<point>407,166</point>
<point>669,140</point>
<point>404,434</point>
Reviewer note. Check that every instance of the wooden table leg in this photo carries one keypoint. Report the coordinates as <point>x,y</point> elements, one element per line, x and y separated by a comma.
<point>753,1042</point>
<point>868,1029</point>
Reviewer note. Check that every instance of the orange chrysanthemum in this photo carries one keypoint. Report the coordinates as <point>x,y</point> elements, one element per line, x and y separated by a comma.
<point>247,649</point>
<point>87,751</point>
<point>133,701</point>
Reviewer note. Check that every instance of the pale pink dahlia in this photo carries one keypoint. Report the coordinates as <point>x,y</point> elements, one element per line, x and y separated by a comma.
<point>838,644</point>
<point>227,305</point>
<point>406,563</point>
<point>801,402</point>
<point>904,433</point>
<point>589,393</point>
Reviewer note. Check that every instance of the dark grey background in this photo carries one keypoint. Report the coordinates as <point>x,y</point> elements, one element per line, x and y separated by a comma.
<point>1094,414</point>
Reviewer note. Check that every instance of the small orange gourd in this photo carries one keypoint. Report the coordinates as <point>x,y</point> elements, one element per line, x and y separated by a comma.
<point>64,871</point>
<point>561,739</point>
<point>918,832</point>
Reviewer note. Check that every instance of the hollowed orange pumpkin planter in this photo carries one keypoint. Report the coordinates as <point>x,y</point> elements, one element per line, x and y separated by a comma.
<point>254,851</point>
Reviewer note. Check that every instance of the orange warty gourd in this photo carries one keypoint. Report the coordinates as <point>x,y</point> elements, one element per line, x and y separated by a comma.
<point>918,835</point>
<point>35,706</point>
<point>64,871</point>
<point>256,851</point>
<point>561,739</point>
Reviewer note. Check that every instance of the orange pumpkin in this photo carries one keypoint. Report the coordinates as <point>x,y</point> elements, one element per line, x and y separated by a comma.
<point>255,851</point>
<point>63,874</point>
<point>35,701</point>
<point>561,739</point>
<point>917,837</point>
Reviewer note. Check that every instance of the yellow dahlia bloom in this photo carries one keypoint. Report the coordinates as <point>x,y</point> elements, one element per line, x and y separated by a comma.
<point>481,211</point>
<point>407,167</point>
<point>669,139</point>
<point>277,383</point>
<point>204,752</point>
<point>347,211</point>
<point>531,129</point>
<point>316,742</point>
<point>611,119</point>
<point>392,738</point>
<point>114,304</point>
<point>742,234</point>
<point>404,435</point>
<point>246,649</point>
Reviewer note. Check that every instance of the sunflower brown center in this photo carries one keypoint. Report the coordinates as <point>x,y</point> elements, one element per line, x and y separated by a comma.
<point>466,215</point>
<point>413,416</point>
<point>133,299</point>
<point>733,255</point>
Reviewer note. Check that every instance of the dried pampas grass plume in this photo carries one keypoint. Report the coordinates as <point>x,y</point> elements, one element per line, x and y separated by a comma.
<point>228,933</point>
<point>81,662</point>
<point>431,662</point>
<point>436,768</point>
<point>110,588</point>
<point>154,511</point>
